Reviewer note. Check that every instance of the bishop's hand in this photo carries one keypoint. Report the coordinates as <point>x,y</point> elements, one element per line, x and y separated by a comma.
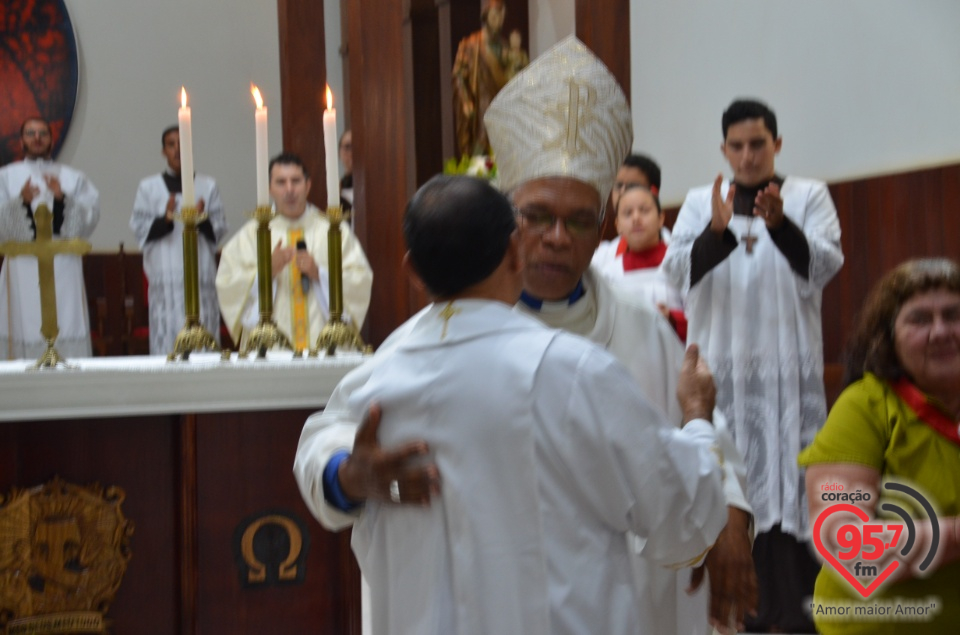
<point>396,475</point>
<point>696,391</point>
<point>722,208</point>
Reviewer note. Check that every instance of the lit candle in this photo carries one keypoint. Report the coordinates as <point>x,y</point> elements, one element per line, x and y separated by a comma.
<point>330,146</point>
<point>263,185</point>
<point>186,151</point>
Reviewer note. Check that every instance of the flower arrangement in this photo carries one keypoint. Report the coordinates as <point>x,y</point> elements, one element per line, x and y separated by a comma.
<point>480,166</point>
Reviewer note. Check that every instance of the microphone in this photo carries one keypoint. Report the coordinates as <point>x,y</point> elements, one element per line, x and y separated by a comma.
<point>304,280</point>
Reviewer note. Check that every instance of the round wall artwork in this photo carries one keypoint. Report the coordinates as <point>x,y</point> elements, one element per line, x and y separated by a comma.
<point>39,70</point>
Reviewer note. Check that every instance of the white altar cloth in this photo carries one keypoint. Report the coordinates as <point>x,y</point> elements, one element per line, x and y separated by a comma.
<point>150,385</point>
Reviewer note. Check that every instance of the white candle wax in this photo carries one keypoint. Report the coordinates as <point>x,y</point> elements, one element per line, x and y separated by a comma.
<point>186,152</point>
<point>330,148</point>
<point>263,186</point>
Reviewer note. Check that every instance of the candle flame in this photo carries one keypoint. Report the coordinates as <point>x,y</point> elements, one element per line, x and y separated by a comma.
<point>329,98</point>
<point>183,97</point>
<point>256,96</point>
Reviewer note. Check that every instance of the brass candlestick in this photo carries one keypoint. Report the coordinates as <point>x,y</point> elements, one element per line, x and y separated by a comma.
<point>192,337</point>
<point>336,332</point>
<point>265,335</point>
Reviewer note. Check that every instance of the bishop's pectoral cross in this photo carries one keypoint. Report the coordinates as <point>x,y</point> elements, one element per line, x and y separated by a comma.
<point>45,248</point>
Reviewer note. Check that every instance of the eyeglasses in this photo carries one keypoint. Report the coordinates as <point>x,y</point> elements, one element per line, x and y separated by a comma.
<point>36,133</point>
<point>540,222</point>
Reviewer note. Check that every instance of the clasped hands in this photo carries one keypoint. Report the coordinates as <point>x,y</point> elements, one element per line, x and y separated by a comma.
<point>30,191</point>
<point>283,256</point>
<point>171,210</point>
<point>768,205</point>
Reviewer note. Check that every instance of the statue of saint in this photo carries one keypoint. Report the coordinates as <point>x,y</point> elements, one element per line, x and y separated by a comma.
<point>485,62</point>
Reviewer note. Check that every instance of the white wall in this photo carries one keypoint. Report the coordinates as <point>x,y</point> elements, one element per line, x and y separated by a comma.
<point>550,22</point>
<point>860,87</point>
<point>134,56</point>
<point>332,41</point>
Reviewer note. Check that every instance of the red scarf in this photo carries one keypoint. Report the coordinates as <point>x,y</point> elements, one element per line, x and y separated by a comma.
<point>926,411</point>
<point>646,259</point>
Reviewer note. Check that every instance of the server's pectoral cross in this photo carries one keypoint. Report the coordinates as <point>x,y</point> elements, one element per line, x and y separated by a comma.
<point>749,239</point>
<point>44,249</point>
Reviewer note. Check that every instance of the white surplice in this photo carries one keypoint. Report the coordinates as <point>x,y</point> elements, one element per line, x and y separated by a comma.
<point>238,290</point>
<point>758,324</point>
<point>643,341</point>
<point>20,318</point>
<point>163,260</point>
<point>649,285</point>
<point>548,456</point>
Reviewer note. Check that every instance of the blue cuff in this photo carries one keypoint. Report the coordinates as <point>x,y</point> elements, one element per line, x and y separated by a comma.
<point>331,484</point>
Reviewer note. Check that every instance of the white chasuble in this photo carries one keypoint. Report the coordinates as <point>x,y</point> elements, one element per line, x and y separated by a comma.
<point>20,318</point>
<point>238,290</point>
<point>758,323</point>
<point>548,457</point>
<point>643,341</point>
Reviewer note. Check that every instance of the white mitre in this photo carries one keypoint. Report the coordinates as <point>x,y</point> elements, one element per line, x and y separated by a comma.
<point>563,115</point>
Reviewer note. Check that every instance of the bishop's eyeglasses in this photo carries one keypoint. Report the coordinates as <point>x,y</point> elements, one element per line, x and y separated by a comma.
<point>538,221</point>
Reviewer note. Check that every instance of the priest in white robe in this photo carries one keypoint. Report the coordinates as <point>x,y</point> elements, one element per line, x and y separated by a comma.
<point>299,264</point>
<point>753,257</point>
<point>75,204</point>
<point>160,236</point>
<point>546,463</point>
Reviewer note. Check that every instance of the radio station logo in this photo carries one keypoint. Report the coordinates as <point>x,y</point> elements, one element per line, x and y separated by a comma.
<point>868,552</point>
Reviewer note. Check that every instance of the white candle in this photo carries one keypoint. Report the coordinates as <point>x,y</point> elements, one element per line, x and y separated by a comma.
<point>330,147</point>
<point>263,185</point>
<point>186,152</point>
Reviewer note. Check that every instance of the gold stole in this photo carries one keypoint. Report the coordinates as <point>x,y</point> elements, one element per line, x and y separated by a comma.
<point>299,326</point>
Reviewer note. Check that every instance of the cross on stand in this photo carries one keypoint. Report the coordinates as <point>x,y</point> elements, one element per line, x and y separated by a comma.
<point>45,248</point>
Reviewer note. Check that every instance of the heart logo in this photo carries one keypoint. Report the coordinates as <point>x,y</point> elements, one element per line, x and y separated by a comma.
<point>829,557</point>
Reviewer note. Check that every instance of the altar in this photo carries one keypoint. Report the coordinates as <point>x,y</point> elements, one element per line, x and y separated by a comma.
<point>204,453</point>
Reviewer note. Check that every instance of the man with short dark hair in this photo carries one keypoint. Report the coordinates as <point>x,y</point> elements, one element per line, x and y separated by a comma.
<point>160,236</point>
<point>75,204</point>
<point>298,265</point>
<point>753,255</point>
<point>547,461</point>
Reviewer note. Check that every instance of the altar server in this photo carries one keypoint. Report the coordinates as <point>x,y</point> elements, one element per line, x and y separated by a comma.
<point>752,256</point>
<point>75,204</point>
<point>160,236</point>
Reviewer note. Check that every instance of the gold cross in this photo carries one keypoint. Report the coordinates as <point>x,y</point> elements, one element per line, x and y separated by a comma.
<point>448,312</point>
<point>44,248</point>
<point>749,239</point>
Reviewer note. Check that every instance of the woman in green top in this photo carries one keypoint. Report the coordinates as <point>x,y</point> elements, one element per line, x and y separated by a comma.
<point>896,421</point>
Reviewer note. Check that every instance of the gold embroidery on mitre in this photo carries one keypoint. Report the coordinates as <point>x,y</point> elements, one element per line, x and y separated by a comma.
<point>578,112</point>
